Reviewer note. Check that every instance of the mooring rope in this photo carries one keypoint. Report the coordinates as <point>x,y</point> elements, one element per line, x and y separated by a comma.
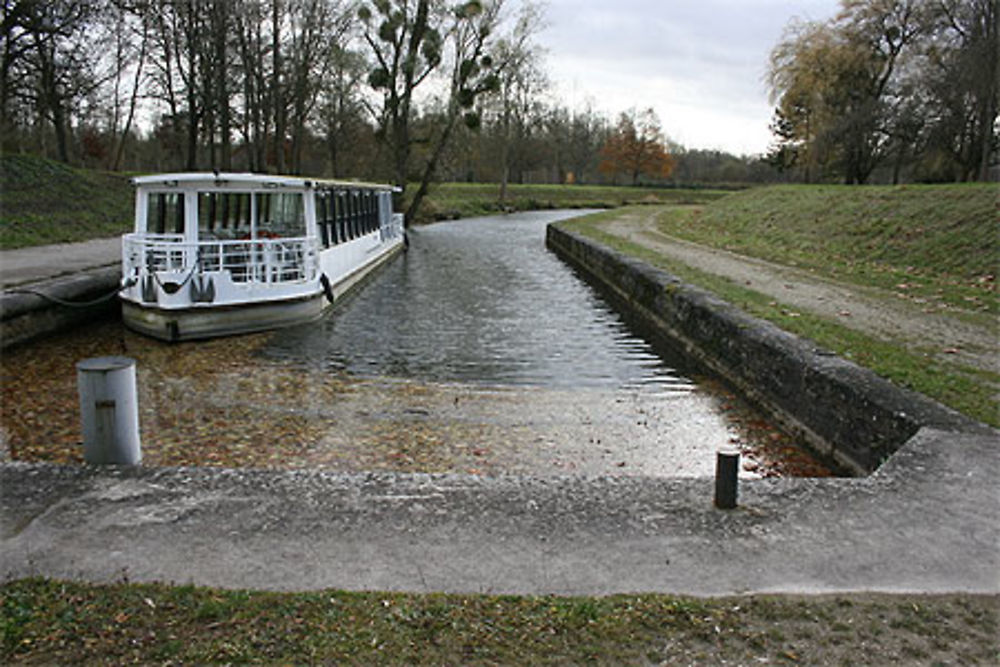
<point>73,304</point>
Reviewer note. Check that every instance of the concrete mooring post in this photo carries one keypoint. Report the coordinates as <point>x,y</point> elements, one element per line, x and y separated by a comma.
<point>727,467</point>
<point>109,410</point>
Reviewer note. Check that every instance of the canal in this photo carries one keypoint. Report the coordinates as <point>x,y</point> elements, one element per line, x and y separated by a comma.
<point>477,351</point>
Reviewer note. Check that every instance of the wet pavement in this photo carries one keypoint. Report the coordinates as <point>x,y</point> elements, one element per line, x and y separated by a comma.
<point>926,522</point>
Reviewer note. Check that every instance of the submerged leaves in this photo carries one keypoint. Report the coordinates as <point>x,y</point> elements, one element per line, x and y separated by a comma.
<point>221,403</point>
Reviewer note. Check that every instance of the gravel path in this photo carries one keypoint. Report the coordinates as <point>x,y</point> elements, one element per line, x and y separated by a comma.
<point>870,310</point>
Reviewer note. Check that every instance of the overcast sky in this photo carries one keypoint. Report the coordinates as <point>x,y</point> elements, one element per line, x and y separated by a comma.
<point>699,64</point>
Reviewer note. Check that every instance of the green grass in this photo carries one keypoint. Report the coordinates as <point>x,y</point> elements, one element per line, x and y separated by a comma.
<point>52,622</point>
<point>932,242</point>
<point>966,389</point>
<point>43,201</point>
<point>462,200</point>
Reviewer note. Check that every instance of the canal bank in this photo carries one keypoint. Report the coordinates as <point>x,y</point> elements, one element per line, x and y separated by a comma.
<point>51,288</point>
<point>845,412</point>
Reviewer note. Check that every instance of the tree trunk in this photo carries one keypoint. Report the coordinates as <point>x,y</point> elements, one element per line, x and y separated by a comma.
<point>276,90</point>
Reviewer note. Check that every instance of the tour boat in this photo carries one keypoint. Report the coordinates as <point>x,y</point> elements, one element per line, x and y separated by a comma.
<point>214,254</point>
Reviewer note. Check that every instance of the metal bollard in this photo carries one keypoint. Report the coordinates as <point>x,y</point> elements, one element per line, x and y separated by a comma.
<point>109,410</point>
<point>727,467</point>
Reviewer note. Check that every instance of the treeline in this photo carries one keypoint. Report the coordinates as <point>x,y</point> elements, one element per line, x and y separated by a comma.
<point>389,89</point>
<point>889,90</point>
<point>412,90</point>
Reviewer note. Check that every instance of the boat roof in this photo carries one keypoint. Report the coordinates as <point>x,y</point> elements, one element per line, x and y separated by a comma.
<point>259,180</point>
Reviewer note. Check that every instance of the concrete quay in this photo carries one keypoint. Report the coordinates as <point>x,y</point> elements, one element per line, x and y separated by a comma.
<point>37,284</point>
<point>926,522</point>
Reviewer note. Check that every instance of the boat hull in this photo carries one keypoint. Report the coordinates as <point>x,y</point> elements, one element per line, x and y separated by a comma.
<point>210,321</point>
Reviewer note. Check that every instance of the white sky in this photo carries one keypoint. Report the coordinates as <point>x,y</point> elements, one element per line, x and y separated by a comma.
<point>699,64</point>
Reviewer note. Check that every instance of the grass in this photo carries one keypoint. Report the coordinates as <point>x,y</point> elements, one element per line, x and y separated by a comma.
<point>46,621</point>
<point>966,389</point>
<point>933,242</point>
<point>462,200</point>
<point>43,201</point>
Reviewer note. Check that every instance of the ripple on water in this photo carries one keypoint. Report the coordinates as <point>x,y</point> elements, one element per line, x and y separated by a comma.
<point>482,301</point>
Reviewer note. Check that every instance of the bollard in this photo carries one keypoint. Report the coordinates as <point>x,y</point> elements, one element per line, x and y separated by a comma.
<point>727,466</point>
<point>109,410</point>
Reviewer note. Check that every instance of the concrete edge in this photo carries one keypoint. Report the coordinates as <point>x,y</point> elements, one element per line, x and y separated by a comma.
<point>31,311</point>
<point>924,523</point>
<point>847,413</point>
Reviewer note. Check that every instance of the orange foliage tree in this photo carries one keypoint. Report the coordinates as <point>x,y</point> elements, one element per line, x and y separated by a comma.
<point>637,147</point>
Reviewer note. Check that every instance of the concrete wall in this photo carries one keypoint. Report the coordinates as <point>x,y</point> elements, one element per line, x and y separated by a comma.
<point>31,311</point>
<point>848,414</point>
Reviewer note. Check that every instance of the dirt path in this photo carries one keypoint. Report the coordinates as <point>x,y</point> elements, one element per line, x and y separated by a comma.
<point>869,310</point>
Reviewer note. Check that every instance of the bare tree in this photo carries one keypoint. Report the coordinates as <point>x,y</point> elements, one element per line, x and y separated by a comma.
<point>518,105</point>
<point>44,68</point>
<point>408,41</point>
<point>129,33</point>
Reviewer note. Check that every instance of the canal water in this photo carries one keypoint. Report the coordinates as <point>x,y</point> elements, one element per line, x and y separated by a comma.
<point>482,301</point>
<point>477,351</point>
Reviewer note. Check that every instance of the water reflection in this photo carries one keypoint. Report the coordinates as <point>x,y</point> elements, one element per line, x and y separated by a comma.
<point>482,301</point>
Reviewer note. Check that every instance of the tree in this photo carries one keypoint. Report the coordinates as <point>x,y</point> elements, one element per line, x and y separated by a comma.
<point>130,36</point>
<point>961,69</point>
<point>913,79</point>
<point>44,67</point>
<point>521,80</point>
<point>832,83</point>
<point>408,41</point>
<point>342,109</point>
<point>637,147</point>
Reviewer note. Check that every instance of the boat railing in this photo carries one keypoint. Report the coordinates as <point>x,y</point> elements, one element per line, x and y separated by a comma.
<point>262,260</point>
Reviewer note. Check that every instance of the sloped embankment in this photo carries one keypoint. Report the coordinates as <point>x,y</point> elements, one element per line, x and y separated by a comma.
<point>49,202</point>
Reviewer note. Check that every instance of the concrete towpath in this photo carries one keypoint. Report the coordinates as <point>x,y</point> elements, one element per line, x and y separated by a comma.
<point>32,265</point>
<point>56,287</point>
<point>925,522</point>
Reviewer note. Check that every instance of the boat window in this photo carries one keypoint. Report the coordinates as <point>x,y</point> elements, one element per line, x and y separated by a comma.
<point>372,218</point>
<point>356,213</point>
<point>223,215</point>
<point>280,214</point>
<point>325,218</point>
<point>165,213</point>
<point>366,212</point>
<point>344,216</point>
<point>337,209</point>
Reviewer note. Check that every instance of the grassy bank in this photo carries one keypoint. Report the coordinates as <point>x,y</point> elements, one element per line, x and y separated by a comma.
<point>63,623</point>
<point>463,200</point>
<point>932,242</point>
<point>43,201</point>
<point>935,246</point>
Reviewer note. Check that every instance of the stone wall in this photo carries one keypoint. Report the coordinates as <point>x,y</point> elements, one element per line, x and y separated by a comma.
<point>846,413</point>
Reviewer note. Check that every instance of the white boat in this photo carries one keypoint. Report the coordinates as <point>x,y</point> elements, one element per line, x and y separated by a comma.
<point>215,254</point>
